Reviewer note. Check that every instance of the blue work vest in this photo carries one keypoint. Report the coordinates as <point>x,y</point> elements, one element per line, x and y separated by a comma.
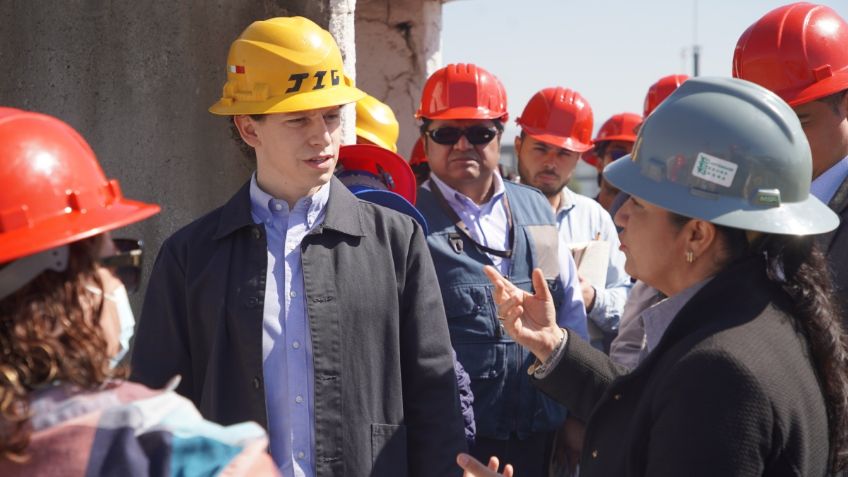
<point>504,400</point>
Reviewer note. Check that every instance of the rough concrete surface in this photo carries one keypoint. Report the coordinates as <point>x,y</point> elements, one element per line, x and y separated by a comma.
<point>136,79</point>
<point>398,46</point>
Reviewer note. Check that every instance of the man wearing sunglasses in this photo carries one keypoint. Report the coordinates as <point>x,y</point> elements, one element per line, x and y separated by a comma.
<point>476,218</point>
<point>295,304</point>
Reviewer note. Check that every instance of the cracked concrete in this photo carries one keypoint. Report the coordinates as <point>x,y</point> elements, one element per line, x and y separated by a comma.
<point>398,46</point>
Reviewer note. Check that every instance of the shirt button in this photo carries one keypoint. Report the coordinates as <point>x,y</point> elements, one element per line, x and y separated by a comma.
<point>301,455</point>
<point>595,454</point>
<point>292,293</point>
<point>296,345</point>
<point>278,206</point>
<point>298,399</point>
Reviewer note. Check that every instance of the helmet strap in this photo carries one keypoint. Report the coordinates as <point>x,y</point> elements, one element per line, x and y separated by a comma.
<point>22,271</point>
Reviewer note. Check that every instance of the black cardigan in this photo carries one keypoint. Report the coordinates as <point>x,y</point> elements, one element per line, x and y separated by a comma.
<point>730,390</point>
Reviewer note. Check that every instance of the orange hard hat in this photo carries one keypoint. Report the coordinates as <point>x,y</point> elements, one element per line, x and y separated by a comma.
<point>661,90</point>
<point>558,116</point>
<point>463,91</point>
<point>53,189</point>
<point>620,127</point>
<point>418,155</point>
<point>798,51</point>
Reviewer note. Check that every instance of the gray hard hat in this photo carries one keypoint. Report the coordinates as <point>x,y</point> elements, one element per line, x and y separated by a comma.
<point>729,152</point>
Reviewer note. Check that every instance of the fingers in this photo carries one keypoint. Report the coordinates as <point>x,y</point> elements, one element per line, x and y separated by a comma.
<point>473,467</point>
<point>540,285</point>
<point>508,470</point>
<point>494,463</point>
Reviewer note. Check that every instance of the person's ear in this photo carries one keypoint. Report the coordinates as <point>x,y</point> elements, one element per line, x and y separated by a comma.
<point>700,237</point>
<point>247,130</point>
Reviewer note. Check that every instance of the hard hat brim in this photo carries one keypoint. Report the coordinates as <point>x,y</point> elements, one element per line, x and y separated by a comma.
<point>465,112</point>
<point>71,227</point>
<point>393,201</point>
<point>832,85</point>
<point>806,217</point>
<point>323,98</point>
<point>617,137</point>
<point>559,141</point>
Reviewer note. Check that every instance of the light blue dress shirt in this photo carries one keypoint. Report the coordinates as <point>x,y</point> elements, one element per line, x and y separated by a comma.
<point>489,226</point>
<point>581,219</point>
<point>286,344</point>
<point>824,186</point>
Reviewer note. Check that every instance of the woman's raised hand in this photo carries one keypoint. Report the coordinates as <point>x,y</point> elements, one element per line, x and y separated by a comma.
<point>529,318</point>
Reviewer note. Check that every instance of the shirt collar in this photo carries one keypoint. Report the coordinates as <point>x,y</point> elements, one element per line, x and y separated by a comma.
<point>824,186</point>
<point>567,201</point>
<point>456,198</point>
<point>264,207</point>
<point>657,318</point>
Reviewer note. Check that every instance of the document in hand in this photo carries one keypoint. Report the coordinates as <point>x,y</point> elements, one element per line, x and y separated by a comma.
<point>592,260</point>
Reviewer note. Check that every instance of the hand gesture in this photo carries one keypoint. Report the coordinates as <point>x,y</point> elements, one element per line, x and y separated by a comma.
<point>475,468</point>
<point>529,319</point>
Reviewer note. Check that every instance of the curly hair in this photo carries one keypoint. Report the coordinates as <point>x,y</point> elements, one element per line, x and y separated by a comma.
<point>49,334</point>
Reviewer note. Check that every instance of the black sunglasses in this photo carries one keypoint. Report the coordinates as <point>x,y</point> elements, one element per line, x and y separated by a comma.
<point>476,135</point>
<point>126,263</point>
<point>617,154</point>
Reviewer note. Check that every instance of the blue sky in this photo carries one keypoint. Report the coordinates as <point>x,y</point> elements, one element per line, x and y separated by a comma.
<point>610,51</point>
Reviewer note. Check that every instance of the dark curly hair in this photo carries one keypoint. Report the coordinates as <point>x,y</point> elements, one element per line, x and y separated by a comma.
<point>48,334</point>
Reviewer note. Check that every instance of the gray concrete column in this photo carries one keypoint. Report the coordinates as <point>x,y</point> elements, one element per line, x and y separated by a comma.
<point>136,79</point>
<point>398,47</point>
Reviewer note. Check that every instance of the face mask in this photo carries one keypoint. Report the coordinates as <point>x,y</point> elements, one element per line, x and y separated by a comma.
<point>126,319</point>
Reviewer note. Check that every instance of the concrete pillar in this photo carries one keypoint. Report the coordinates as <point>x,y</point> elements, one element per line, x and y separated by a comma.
<point>398,46</point>
<point>342,28</point>
<point>136,79</point>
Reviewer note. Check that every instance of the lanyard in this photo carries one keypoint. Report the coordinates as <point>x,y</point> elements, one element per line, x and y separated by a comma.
<point>456,242</point>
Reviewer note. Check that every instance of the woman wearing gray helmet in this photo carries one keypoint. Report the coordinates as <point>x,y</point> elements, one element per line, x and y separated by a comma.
<point>746,370</point>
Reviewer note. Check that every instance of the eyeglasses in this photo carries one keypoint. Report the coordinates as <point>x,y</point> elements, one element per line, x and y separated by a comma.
<point>126,264</point>
<point>449,135</point>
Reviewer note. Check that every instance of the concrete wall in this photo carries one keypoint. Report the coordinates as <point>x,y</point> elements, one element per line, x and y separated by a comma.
<point>398,46</point>
<point>136,79</point>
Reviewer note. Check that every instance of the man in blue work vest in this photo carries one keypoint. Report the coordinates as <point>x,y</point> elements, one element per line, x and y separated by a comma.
<point>476,218</point>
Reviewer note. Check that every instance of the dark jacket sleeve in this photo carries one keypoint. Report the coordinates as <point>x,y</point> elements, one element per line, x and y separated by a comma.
<point>711,417</point>
<point>466,400</point>
<point>161,347</point>
<point>580,378</point>
<point>431,402</point>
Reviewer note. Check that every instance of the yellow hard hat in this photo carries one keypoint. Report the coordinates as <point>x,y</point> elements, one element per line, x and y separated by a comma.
<point>283,65</point>
<point>376,123</point>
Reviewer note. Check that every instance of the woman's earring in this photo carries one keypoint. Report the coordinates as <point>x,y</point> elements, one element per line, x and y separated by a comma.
<point>690,256</point>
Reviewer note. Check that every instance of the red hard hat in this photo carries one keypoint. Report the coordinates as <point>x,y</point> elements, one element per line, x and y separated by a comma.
<point>798,51</point>
<point>378,168</point>
<point>461,91</point>
<point>53,189</point>
<point>558,116</point>
<point>418,155</point>
<point>590,157</point>
<point>620,127</point>
<point>660,90</point>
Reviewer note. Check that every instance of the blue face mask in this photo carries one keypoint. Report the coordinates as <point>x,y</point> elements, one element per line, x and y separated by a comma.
<point>126,319</point>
